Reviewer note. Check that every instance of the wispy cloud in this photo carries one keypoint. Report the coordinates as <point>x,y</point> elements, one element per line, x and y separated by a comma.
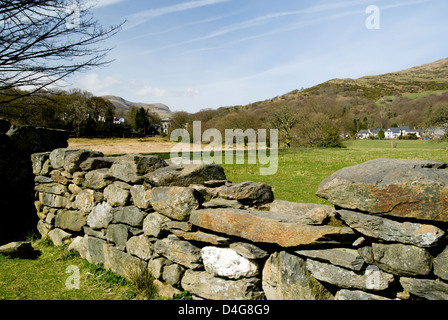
<point>103,3</point>
<point>178,27</point>
<point>298,25</point>
<point>144,16</point>
<point>265,19</point>
<point>404,4</point>
<point>107,85</point>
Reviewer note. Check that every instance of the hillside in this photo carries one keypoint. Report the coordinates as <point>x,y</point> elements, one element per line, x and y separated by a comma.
<point>428,78</point>
<point>320,115</point>
<point>162,110</point>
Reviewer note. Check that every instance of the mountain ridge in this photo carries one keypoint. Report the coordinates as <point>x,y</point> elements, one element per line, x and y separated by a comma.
<point>428,77</point>
<point>161,109</point>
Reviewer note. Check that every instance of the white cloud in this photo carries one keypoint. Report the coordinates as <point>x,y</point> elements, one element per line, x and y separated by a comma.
<point>127,88</point>
<point>191,92</point>
<point>148,91</point>
<point>102,3</point>
<point>151,92</point>
<point>93,83</point>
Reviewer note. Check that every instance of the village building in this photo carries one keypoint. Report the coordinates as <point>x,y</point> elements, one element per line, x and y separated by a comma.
<point>363,134</point>
<point>389,133</point>
<point>165,125</point>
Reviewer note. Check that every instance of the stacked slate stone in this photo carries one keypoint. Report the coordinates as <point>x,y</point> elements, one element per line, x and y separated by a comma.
<point>133,212</point>
<point>400,210</point>
<point>194,230</point>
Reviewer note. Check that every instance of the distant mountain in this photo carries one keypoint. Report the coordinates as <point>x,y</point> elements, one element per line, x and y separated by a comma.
<point>162,110</point>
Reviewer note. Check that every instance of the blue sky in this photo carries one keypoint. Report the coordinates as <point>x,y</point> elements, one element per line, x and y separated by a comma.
<point>198,54</point>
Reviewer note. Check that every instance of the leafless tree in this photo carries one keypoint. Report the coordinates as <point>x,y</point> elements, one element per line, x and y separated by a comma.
<point>44,41</point>
<point>284,118</point>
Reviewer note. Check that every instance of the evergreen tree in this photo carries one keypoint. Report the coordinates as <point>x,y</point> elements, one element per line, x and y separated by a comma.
<point>109,120</point>
<point>141,123</point>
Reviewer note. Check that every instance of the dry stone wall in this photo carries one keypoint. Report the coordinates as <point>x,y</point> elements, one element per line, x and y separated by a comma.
<point>384,238</point>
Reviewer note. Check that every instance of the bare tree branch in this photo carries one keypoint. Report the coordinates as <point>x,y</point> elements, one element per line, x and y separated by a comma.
<point>44,41</point>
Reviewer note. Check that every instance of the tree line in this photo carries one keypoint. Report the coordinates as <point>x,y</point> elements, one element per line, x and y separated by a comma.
<point>77,111</point>
<point>322,120</point>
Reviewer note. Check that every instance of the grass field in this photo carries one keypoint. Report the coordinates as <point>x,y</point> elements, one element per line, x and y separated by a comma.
<point>299,174</point>
<point>301,170</point>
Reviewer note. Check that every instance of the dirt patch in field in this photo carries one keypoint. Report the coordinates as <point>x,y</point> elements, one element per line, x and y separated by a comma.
<point>136,145</point>
<point>123,145</point>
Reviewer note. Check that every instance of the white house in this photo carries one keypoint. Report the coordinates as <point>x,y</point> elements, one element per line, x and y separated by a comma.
<point>392,133</point>
<point>119,120</point>
<point>375,132</point>
<point>363,134</point>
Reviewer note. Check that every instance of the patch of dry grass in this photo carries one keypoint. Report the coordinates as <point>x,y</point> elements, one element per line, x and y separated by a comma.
<point>112,146</point>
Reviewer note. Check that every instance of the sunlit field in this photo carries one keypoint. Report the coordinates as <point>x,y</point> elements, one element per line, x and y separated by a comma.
<point>300,170</point>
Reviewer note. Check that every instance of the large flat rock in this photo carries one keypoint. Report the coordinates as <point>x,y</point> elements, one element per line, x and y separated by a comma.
<point>248,193</point>
<point>401,188</point>
<point>421,235</point>
<point>271,227</point>
<point>309,213</point>
<point>183,175</point>
<point>131,168</point>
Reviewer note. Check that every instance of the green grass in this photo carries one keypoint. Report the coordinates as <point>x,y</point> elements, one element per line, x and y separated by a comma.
<point>412,95</point>
<point>424,94</point>
<point>44,278</point>
<point>302,170</point>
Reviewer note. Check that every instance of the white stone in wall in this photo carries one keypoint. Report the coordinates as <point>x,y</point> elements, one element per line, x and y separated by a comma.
<point>228,263</point>
<point>101,216</point>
